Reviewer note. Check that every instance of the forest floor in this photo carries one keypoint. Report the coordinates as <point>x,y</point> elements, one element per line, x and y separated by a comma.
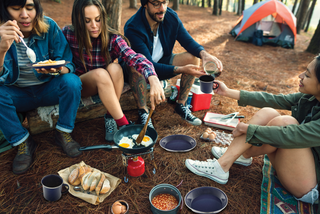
<point>246,67</point>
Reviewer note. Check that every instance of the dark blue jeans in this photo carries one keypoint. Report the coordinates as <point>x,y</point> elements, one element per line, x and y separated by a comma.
<point>64,90</point>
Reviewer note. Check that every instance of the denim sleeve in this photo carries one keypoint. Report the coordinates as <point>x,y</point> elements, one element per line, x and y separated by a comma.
<point>59,47</point>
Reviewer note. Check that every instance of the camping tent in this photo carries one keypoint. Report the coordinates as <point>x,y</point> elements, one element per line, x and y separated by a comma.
<point>267,22</point>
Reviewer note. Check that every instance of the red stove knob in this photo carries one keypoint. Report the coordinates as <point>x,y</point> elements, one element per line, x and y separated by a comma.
<point>136,166</point>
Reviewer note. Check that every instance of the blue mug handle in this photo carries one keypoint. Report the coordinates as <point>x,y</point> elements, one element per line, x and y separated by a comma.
<point>67,188</point>
<point>215,85</point>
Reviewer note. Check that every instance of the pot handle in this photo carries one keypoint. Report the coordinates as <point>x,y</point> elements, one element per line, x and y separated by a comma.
<point>181,195</point>
<point>95,147</point>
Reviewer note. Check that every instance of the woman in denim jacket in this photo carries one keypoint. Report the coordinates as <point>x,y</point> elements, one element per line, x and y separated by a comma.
<point>23,88</point>
<point>292,143</point>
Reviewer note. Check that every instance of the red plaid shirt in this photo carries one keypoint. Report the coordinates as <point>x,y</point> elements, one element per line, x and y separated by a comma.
<point>117,48</point>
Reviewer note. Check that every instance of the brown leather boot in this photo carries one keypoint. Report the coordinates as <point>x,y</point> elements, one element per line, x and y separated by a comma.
<point>69,146</point>
<point>23,160</point>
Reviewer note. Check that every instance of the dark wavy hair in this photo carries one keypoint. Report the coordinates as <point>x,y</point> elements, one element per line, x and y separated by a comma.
<point>39,25</point>
<point>82,34</point>
<point>317,67</point>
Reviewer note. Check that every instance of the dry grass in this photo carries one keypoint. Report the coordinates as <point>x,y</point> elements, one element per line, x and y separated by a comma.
<point>246,66</point>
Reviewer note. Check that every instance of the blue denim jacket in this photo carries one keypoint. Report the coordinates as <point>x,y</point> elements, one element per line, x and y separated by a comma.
<point>51,45</point>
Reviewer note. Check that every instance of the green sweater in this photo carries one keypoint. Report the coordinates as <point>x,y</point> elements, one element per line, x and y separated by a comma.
<point>291,136</point>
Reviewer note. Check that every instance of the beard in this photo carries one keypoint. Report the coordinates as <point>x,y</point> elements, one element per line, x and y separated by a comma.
<point>153,16</point>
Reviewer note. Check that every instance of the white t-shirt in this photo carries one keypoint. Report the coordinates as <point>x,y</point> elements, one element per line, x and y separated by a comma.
<point>157,52</point>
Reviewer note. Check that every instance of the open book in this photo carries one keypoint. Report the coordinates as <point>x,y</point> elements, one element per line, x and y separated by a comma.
<point>218,120</point>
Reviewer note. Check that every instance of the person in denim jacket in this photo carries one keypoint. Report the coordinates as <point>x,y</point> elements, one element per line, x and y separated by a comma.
<point>291,142</point>
<point>23,88</point>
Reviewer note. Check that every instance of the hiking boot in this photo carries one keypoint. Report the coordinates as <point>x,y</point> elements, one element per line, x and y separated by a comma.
<point>110,126</point>
<point>143,117</point>
<point>23,160</point>
<point>69,146</point>
<point>185,113</point>
<point>219,151</point>
<point>210,169</point>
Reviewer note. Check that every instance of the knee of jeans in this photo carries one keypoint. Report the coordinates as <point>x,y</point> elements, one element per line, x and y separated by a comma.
<point>71,80</point>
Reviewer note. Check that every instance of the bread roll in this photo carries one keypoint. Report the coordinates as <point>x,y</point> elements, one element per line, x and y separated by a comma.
<point>84,181</point>
<point>94,179</point>
<point>99,186</point>
<point>105,187</point>
<point>72,179</point>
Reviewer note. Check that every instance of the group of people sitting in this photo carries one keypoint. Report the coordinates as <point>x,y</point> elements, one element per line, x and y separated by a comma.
<point>145,57</point>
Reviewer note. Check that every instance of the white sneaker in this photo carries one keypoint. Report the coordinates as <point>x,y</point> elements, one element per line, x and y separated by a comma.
<point>210,169</point>
<point>219,151</point>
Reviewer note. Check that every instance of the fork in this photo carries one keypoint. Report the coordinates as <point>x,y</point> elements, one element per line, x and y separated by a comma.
<point>30,53</point>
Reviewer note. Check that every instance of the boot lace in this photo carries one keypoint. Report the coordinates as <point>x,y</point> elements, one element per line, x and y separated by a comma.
<point>22,148</point>
<point>110,125</point>
<point>67,137</point>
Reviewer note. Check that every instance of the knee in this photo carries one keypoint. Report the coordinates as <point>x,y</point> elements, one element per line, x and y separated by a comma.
<point>115,70</point>
<point>267,113</point>
<point>192,59</point>
<point>102,76</point>
<point>283,121</point>
<point>71,81</point>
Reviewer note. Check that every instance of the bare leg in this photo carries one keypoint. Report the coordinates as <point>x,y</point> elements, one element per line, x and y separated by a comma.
<point>186,80</point>
<point>100,81</point>
<point>239,145</point>
<point>295,167</point>
<point>139,89</point>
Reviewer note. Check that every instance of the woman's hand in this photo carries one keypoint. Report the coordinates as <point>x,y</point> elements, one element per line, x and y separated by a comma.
<point>156,91</point>
<point>222,90</point>
<point>9,32</point>
<point>240,129</point>
<point>206,57</point>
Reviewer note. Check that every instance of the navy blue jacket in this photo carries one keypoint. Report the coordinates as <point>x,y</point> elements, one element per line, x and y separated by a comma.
<point>138,31</point>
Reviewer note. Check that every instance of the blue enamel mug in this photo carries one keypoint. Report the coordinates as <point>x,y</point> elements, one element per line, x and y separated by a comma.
<point>52,187</point>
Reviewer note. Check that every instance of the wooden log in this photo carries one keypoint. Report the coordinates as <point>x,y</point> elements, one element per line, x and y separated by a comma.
<point>127,102</point>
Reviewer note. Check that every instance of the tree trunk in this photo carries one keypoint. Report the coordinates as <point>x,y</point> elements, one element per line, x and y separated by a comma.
<point>234,6</point>
<point>302,14</point>
<point>314,45</point>
<point>255,1</point>
<point>243,3</point>
<point>294,6</point>
<point>203,3</point>
<point>114,9</point>
<point>239,12</point>
<point>227,6</point>
<point>188,2</point>
<point>175,5</point>
<point>215,7</point>
<point>310,15</point>
<point>133,4</point>
<point>220,7</point>
<point>209,3</point>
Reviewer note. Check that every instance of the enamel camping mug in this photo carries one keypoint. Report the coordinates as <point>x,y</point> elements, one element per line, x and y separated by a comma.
<point>52,187</point>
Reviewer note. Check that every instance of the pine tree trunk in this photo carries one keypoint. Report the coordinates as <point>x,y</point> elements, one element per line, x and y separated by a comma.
<point>255,1</point>
<point>133,4</point>
<point>114,9</point>
<point>215,7</point>
<point>314,45</point>
<point>239,12</point>
<point>310,15</point>
<point>294,6</point>
<point>302,14</point>
<point>220,7</point>
<point>209,3</point>
<point>243,3</point>
<point>203,3</point>
<point>175,5</point>
<point>227,6</point>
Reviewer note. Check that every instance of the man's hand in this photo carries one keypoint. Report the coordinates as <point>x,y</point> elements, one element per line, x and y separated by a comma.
<point>49,71</point>
<point>206,57</point>
<point>156,91</point>
<point>192,70</point>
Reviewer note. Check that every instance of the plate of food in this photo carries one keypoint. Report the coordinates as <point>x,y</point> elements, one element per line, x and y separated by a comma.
<point>47,64</point>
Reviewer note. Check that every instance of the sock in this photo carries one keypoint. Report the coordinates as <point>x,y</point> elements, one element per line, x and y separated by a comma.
<point>122,121</point>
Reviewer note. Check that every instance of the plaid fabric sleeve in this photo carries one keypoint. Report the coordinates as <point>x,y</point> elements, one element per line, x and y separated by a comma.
<point>133,59</point>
